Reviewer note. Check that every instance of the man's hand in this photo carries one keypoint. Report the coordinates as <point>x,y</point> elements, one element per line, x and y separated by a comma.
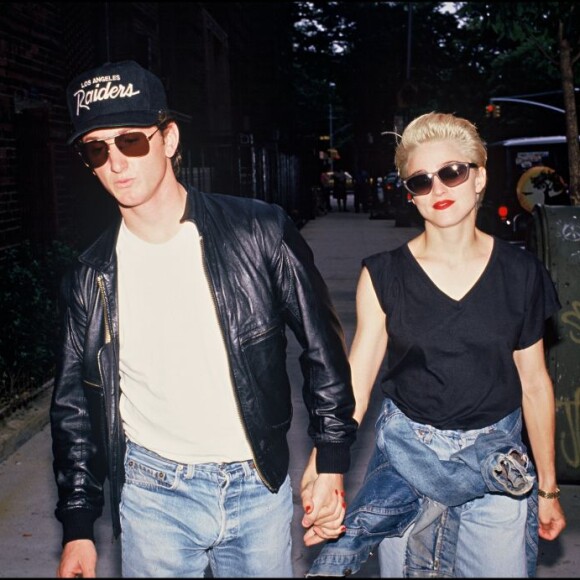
<point>79,558</point>
<point>551,518</point>
<point>324,504</point>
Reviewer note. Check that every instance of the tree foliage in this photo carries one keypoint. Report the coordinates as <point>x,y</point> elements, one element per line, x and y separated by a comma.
<point>390,61</point>
<point>29,281</point>
<point>542,44</point>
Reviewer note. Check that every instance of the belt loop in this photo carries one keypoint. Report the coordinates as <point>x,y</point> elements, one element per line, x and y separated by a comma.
<point>188,470</point>
<point>248,466</point>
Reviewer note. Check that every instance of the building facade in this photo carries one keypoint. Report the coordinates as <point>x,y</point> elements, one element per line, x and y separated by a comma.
<point>224,65</point>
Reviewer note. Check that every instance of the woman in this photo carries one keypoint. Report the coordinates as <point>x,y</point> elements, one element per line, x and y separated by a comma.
<point>460,315</point>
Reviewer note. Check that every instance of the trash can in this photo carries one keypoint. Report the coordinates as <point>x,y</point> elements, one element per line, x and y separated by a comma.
<point>555,239</point>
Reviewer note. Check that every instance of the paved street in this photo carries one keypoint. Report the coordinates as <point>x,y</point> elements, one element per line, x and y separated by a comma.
<point>30,536</point>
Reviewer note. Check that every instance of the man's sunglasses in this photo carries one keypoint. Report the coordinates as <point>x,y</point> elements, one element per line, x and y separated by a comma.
<point>133,144</point>
<point>451,175</point>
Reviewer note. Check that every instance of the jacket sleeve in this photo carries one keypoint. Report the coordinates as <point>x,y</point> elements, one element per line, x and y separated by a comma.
<point>79,470</point>
<point>327,388</point>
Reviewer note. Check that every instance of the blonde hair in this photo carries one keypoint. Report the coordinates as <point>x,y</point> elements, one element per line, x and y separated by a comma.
<point>440,127</point>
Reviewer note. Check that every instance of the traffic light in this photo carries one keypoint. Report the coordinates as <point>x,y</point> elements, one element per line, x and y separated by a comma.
<point>492,110</point>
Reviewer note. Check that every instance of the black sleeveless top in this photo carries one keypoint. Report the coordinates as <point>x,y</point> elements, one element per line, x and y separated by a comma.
<point>449,363</point>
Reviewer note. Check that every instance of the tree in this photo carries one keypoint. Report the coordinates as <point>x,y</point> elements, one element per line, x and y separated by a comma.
<point>319,44</point>
<point>545,33</point>
<point>384,70</point>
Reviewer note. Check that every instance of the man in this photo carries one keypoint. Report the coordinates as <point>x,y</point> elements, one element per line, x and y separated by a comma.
<point>171,379</point>
<point>339,189</point>
<point>362,188</point>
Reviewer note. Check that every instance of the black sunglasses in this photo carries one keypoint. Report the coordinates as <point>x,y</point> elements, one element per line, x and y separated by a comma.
<point>451,175</point>
<point>133,144</point>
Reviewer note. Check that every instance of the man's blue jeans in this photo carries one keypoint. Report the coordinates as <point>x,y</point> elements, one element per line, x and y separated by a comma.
<point>176,519</point>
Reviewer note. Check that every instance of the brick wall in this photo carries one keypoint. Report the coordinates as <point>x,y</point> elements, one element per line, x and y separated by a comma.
<point>39,47</point>
<point>200,50</point>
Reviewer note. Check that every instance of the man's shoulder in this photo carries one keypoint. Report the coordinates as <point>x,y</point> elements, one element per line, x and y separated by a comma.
<point>243,207</point>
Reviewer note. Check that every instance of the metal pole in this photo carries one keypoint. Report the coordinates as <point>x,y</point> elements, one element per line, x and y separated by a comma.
<point>107,32</point>
<point>409,35</point>
<point>331,139</point>
<point>526,102</point>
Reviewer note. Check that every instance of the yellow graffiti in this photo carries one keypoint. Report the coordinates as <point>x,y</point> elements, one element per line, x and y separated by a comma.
<point>570,446</point>
<point>572,317</point>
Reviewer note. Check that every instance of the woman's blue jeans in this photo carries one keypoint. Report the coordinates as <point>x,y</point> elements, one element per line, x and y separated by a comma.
<point>491,540</point>
<point>177,519</point>
<point>408,467</point>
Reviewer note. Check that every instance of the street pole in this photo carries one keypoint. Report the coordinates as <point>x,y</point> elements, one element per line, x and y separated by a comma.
<point>409,37</point>
<point>331,140</point>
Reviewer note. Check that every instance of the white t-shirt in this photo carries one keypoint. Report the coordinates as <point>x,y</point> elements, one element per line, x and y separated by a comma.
<point>177,397</point>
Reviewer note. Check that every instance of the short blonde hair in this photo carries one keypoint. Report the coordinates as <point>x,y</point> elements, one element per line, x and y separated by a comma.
<point>440,127</point>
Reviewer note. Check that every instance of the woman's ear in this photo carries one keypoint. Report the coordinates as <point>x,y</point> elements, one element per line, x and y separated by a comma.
<point>480,179</point>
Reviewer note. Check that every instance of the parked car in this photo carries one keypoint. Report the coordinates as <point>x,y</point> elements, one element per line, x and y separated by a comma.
<point>387,195</point>
<point>406,213</point>
<point>522,173</point>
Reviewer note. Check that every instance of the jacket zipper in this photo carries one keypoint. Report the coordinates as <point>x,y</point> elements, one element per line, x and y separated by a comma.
<point>101,286</point>
<point>232,380</point>
<point>108,339</point>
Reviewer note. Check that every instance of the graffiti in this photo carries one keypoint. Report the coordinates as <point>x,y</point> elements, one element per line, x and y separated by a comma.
<point>572,319</point>
<point>537,185</point>
<point>570,230</point>
<point>569,439</point>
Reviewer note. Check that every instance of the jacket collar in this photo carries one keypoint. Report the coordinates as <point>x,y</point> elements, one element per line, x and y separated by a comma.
<point>194,207</point>
<point>101,254</point>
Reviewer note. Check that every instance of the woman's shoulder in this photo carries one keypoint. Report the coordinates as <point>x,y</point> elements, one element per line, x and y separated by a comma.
<point>520,266</point>
<point>515,256</point>
<point>385,257</point>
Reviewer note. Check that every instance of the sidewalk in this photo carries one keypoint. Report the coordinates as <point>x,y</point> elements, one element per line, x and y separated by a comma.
<point>30,535</point>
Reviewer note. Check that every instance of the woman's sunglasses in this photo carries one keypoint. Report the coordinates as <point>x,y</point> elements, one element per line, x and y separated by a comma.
<point>451,175</point>
<point>134,144</point>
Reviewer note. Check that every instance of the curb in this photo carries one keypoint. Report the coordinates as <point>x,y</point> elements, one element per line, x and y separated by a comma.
<point>23,424</point>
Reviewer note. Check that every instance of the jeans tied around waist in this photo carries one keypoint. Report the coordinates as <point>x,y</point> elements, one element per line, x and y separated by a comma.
<point>496,462</point>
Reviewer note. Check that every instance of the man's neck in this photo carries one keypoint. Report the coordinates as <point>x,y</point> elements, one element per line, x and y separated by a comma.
<point>158,220</point>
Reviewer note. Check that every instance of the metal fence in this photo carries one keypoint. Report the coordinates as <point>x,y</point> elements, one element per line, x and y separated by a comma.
<point>261,172</point>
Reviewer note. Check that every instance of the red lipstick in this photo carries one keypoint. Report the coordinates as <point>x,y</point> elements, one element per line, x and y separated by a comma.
<point>443,204</point>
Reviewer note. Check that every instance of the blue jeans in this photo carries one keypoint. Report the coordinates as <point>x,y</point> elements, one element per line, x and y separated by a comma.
<point>176,519</point>
<point>408,483</point>
<point>491,540</point>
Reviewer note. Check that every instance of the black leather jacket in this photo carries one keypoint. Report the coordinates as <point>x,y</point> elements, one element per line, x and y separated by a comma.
<point>263,278</point>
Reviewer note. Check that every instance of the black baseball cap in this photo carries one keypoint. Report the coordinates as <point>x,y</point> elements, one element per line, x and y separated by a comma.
<point>116,94</point>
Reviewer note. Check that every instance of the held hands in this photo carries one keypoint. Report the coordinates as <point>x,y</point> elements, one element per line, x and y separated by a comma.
<point>551,518</point>
<point>79,559</point>
<point>324,504</point>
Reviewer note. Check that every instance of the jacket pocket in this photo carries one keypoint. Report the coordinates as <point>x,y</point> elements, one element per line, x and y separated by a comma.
<point>265,356</point>
<point>95,397</point>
